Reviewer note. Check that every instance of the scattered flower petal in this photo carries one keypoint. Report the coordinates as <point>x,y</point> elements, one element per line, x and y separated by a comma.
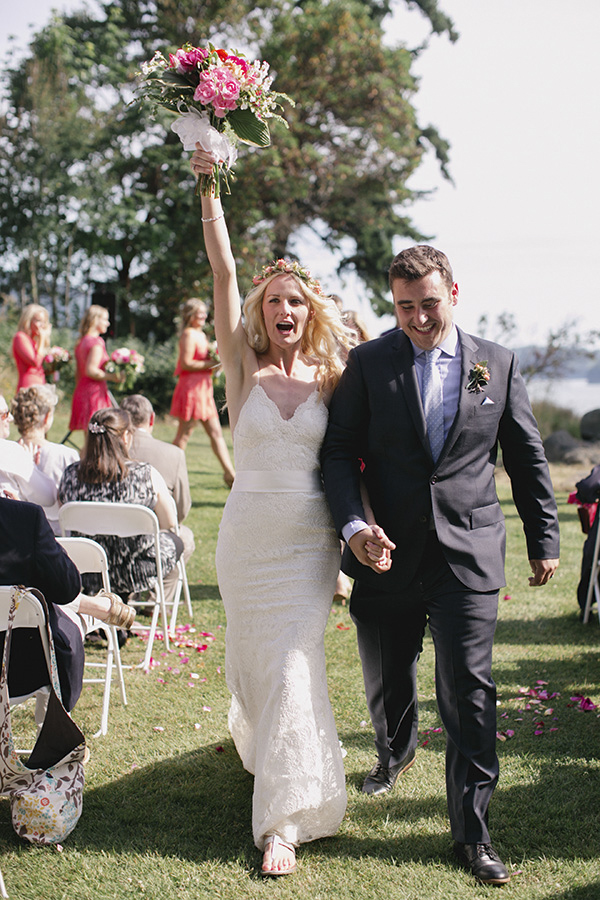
<point>158,728</point>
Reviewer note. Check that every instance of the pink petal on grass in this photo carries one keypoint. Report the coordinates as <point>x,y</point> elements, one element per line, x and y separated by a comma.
<point>158,728</point>
<point>507,597</point>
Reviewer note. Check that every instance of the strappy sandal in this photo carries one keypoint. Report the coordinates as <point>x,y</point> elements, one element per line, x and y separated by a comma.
<point>120,614</point>
<point>275,841</point>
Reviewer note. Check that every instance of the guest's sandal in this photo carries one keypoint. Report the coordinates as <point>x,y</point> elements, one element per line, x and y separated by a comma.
<point>120,614</point>
<point>272,843</point>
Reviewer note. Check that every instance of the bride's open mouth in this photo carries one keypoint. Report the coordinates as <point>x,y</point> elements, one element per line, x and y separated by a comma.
<point>285,327</point>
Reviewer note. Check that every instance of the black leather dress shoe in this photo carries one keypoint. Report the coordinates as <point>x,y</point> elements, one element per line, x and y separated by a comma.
<point>483,862</point>
<point>381,780</point>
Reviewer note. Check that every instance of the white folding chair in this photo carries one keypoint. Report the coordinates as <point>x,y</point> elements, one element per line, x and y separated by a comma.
<point>29,614</point>
<point>93,517</point>
<point>89,556</point>
<point>182,581</point>
<point>593,592</point>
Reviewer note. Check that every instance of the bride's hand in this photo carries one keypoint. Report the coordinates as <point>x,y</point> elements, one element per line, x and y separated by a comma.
<point>202,162</point>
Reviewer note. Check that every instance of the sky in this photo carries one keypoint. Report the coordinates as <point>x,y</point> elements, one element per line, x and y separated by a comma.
<point>517,98</point>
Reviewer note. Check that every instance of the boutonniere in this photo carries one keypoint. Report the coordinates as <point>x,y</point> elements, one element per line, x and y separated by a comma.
<point>478,377</point>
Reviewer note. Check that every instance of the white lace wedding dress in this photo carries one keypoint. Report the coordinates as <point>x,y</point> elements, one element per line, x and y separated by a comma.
<point>277,562</point>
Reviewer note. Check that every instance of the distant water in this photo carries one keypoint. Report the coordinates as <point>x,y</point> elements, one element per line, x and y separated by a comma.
<point>576,394</point>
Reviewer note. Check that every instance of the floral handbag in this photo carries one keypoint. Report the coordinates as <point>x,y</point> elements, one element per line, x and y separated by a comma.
<point>46,793</point>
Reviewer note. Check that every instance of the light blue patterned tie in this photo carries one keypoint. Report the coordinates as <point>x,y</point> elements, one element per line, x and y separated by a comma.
<point>433,406</point>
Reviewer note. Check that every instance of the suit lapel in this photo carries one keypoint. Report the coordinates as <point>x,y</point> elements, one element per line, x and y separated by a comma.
<point>466,403</point>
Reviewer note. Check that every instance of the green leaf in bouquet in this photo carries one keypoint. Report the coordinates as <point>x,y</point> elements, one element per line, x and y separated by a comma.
<point>248,128</point>
<point>173,78</point>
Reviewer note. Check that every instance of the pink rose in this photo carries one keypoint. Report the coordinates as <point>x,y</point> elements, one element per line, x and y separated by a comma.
<point>206,91</point>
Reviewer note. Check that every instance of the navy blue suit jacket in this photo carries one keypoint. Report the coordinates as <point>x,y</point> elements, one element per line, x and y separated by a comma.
<point>376,416</point>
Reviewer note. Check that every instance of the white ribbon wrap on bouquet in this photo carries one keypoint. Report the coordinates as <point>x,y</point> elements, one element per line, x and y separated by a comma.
<point>194,126</point>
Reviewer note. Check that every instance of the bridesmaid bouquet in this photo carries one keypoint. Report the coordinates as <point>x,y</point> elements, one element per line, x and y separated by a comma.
<point>213,352</point>
<point>221,99</point>
<point>124,360</point>
<point>55,359</point>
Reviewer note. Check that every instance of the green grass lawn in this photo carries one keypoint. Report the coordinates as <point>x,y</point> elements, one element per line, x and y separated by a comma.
<point>167,804</point>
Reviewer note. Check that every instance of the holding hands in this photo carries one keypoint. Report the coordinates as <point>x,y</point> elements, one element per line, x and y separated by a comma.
<point>372,547</point>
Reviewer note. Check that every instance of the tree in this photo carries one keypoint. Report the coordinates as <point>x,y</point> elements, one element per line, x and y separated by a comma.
<point>121,200</point>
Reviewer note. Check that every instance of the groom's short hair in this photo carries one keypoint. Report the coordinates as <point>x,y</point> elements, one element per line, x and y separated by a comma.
<point>418,261</point>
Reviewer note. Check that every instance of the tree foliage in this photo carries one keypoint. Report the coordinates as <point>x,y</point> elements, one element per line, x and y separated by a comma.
<point>93,188</point>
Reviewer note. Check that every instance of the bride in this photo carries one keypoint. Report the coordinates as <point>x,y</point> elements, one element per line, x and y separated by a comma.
<point>277,554</point>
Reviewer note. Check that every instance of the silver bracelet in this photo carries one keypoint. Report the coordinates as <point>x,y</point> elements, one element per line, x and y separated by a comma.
<point>212,218</point>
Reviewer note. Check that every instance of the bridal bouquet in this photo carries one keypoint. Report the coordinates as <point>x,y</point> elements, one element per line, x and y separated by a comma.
<point>55,359</point>
<point>221,99</point>
<point>128,361</point>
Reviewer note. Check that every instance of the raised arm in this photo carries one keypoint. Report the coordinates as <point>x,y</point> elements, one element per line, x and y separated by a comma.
<point>231,338</point>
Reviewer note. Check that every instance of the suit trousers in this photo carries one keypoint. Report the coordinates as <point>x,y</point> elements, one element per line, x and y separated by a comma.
<point>462,622</point>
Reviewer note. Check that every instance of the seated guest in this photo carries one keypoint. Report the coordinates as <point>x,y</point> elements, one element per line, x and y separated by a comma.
<point>167,458</point>
<point>107,473</point>
<point>588,491</point>
<point>30,555</point>
<point>33,414</point>
<point>19,476</point>
<point>170,462</point>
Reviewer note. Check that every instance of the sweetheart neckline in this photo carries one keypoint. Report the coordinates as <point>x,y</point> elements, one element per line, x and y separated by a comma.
<point>270,399</point>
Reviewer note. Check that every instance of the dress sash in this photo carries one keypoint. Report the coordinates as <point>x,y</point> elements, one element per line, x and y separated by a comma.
<point>269,480</point>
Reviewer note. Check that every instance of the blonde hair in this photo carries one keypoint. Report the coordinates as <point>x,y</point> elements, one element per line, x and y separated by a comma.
<point>189,310</point>
<point>92,316</point>
<point>31,405</point>
<point>324,334</point>
<point>28,313</point>
<point>357,324</point>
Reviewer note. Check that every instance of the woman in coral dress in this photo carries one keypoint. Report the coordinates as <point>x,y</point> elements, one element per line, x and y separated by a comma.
<point>30,345</point>
<point>91,392</point>
<point>193,399</point>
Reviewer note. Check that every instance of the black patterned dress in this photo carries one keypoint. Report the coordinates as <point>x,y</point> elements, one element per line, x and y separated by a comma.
<point>132,561</point>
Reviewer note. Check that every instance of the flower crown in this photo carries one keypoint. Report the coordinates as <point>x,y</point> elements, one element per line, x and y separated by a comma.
<point>96,428</point>
<point>288,267</point>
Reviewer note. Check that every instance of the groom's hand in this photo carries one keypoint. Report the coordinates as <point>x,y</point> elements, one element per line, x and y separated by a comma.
<point>543,570</point>
<point>372,547</point>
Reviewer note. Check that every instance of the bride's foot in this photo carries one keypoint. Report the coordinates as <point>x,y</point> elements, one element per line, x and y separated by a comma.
<point>279,857</point>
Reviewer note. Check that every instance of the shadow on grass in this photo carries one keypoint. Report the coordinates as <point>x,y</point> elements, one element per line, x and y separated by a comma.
<point>196,806</point>
<point>565,676</point>
<point>204,592</point>
<point>585,892</point>
<point>561,629</point>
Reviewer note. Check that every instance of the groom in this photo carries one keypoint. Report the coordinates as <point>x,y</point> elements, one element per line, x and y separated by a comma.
<point>425,408</point>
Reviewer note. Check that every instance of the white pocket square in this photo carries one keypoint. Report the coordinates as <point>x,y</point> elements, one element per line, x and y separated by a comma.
<point>487,401</point>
